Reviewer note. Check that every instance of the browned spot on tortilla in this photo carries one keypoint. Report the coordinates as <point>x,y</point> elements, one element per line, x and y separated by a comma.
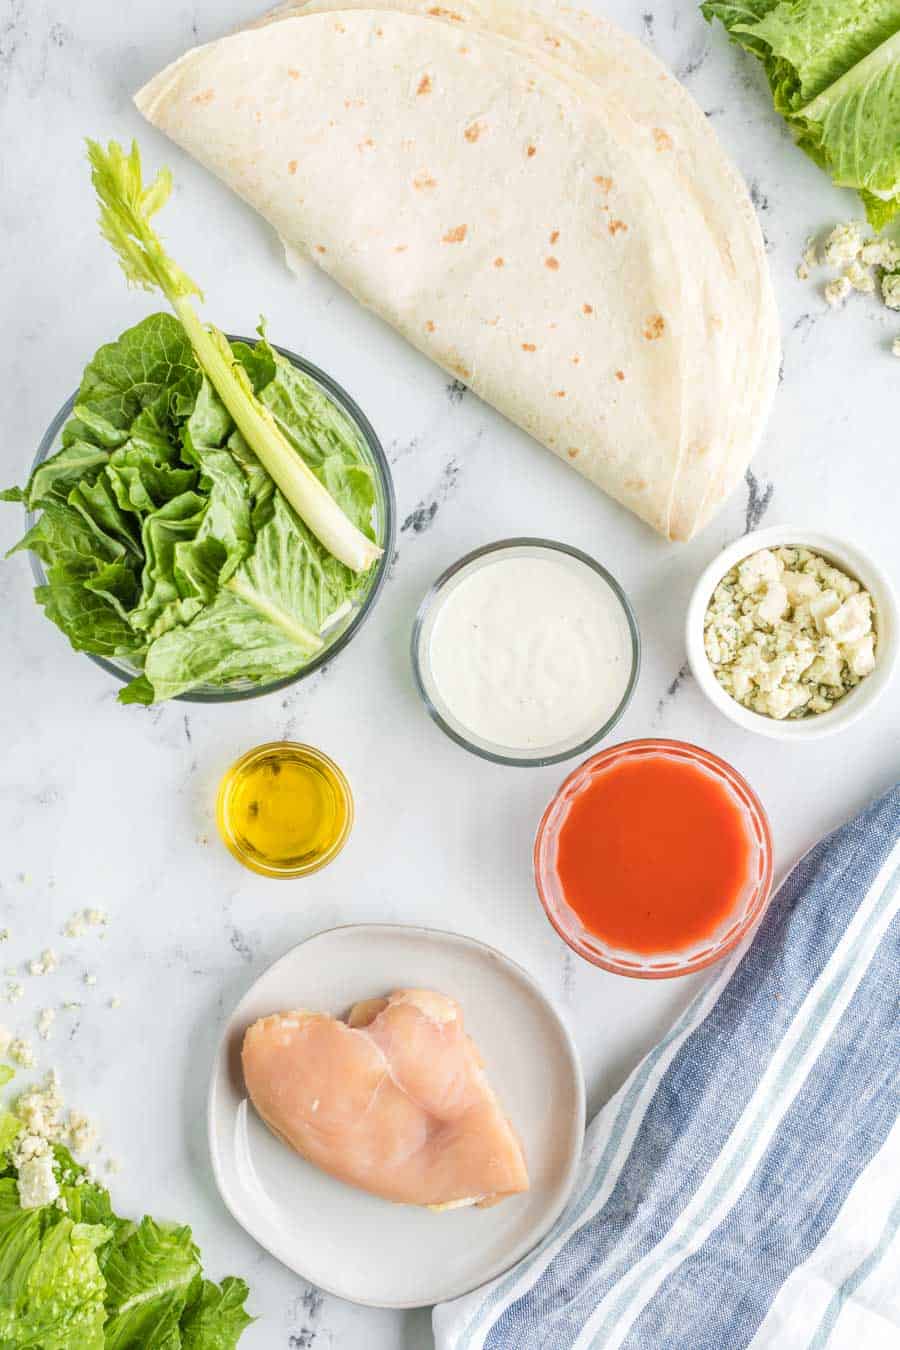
<point>438,12</point>
<point>559,393</point>
<point>354,103</point>
<point>429,325</point>
<point>456,235</point>
<point>424,180</point>
<point>552,325</point>
<point>528,347</point>
<point>366,144</point>
<point>662,138</point>
<point>492,323</point>
<point>551,40</point>
<point>379,32</point>
<point>498,262</point>
<point>574,452</point>
<point>654,327</point>
<point>554,236</point>
<point>320,248</point>
<point>587,309</point>
<point>400,248</point>
<point>473,132</point>
<point>425,85</point>
<point>620,374</point>
<point>459,369</point>
<point>293,72</point>
<point>339,27</point>
<point>463,51</point>
<point>292,166</point>
<point>205,97</point>
<point>616,225</point>
<point>716,322</point>
<point>576,360</point>
<point>552,263</point>
<point>532,150</point>
<point>636,484</point>
<point>603,182</point>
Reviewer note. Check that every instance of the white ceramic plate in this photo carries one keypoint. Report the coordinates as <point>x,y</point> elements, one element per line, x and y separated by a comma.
<point>350,1243</point>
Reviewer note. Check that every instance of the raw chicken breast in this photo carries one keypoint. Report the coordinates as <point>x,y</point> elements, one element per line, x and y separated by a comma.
<point>394,1100</point>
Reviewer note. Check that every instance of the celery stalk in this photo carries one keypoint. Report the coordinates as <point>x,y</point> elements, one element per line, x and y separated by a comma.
<point>126,208</point>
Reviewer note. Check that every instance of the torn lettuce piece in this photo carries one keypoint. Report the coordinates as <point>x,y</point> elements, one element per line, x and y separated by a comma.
<point>215,1317</point>
<point>834,70</point>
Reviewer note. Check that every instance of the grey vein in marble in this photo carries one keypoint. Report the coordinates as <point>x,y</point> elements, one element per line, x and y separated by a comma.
<point>759,499</point>
<point>684,673</point>
<point>421,518</point>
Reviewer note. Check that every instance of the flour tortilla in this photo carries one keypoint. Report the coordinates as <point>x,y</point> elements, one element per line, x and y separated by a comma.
<point>628,78</point>
<point>396,155</point>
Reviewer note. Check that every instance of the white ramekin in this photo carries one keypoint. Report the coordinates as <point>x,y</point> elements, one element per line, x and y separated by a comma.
<point>850,559</point>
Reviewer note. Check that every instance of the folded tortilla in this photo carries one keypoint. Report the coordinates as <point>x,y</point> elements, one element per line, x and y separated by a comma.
<point>532,201</point>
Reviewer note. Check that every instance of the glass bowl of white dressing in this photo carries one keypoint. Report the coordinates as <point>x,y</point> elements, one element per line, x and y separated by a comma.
<point>526,652</point>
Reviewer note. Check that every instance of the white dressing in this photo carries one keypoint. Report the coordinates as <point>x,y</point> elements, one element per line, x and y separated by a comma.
<point>530,650</point>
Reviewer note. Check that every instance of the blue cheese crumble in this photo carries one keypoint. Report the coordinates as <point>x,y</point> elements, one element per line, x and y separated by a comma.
<point>788,634</point>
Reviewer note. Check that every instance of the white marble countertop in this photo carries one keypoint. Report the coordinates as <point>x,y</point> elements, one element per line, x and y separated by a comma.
<point>107,805</point>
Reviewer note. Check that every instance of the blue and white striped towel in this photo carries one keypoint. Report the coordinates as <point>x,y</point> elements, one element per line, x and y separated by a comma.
<point>743,1187</point>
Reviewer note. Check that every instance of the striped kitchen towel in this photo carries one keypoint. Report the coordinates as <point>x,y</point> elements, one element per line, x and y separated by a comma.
<point>743,1187</point>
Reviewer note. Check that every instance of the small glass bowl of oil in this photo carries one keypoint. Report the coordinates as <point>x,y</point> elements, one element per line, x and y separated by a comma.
<point>284,809</point>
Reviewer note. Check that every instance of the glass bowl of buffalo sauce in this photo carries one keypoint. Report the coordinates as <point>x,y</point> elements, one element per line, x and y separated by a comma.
<point>654,859</point>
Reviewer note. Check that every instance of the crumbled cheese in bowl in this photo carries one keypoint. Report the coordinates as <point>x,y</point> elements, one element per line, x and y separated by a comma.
<point>788,634</point>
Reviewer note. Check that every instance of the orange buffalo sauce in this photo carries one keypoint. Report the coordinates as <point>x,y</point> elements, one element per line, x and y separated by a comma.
<point>653,853</point>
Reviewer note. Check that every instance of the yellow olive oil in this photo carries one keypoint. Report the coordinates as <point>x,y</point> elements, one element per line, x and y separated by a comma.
<point>284,809</point>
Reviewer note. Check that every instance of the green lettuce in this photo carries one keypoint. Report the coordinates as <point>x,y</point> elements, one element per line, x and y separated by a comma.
<point>834,70</point>
<point>75,1276</point>
<point>166,544</point>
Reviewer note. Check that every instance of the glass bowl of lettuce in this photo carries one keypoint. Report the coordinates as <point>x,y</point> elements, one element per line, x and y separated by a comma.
<point>161,546</point>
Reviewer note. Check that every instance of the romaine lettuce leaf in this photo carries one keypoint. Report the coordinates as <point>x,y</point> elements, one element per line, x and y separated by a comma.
<point>148,1277</point>
<point>51,1288</point>
<point>151,367</point>
<point>215,1317</point>
<point>834,70</point>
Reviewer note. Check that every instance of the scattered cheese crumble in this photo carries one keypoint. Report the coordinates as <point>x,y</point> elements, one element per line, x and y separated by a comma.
<point>5,1039</point>
<point>890,289</point>
<point>860,278</point>
<point>895,346</point>
<point>836,291</point>
<point>83,919</point>
<point>45,1023</point>
<point>37,1183</point>
<point>857,257</point>
<point>40,1110</point>
<point>788,634</point>
<point>89,978</point>
<point>46,964</point>
<point>4,935</point>
<point>843,245</point>
<point>82,1132</point>
<point>21,1053</point>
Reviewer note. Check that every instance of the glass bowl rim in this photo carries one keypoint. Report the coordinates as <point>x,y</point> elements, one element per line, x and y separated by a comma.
<point>433,594</point>
<point>760,898</point>
<point>383,471</point>
<point>223,819</point>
